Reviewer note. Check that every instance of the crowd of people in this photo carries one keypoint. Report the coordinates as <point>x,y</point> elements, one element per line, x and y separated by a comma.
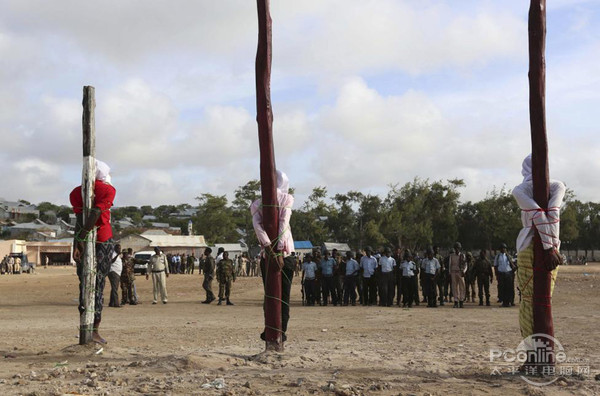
<point>384,278</point>
<point>180,263</point>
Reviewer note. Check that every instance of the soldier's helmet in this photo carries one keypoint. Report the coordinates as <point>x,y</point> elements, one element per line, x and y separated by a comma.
<point>503,246</point>
<point>457,245</point>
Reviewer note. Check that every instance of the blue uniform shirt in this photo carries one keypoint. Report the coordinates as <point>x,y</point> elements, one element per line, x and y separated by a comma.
<point>327,267</point>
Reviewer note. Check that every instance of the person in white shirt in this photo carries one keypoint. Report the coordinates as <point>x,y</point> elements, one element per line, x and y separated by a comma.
<point>351,275</point>
<point>386,278</point>
<point>309,277</point>
<point>114,276</point>
<point>431,269</point>
<point>368,263</point>
<point>407,272</point>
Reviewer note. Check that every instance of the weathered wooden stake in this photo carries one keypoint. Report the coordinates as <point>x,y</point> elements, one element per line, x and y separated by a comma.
<point>542,278</point>
<point>264,118</point>
<point>86,320</point>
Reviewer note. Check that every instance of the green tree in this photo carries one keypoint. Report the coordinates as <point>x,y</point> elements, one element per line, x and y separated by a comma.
<point>215,220</point>
<point>244,196</point>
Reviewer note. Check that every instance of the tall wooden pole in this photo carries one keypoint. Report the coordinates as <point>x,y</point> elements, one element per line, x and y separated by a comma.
<point>264,118</point>
<point>542,302</point>
<point>86,320</point>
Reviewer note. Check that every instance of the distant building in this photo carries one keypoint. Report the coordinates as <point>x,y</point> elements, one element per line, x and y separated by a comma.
<point>303,247</point>
<point>17,210</point>
<point>38,230</point>
<point>234,249</point>
<point>187,244</point>
<point>342,248</point>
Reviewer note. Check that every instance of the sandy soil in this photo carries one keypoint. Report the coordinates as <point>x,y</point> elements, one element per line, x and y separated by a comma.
<point>178,347</point>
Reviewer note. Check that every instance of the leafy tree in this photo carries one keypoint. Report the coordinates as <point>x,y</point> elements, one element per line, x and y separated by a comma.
<point>244,196</point>
<point>215,219</point>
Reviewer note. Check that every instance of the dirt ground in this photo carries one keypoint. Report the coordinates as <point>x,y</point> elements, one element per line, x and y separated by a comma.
<point>179,347</point>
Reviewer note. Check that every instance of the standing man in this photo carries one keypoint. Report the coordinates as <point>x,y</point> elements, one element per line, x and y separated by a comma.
<point>284,245</point>
<point>442,278</point>
<point>368,263</point>
<point>407,271</point>
<point>431,269</point>
<point>457,264</point>
<point>328,268</point>
<point>128,280</point>
<point>208,268</point>
<point>191,263</point>
<point>485,275</point>
<point>225,275</point>
<point>470,277</point>
<point>504,269</point>
<point>159,267</point>
<point>309,272</point>
<point>99,216</point>
<point>351,274</point>
<point>114,276</point>
<point>386,280</point>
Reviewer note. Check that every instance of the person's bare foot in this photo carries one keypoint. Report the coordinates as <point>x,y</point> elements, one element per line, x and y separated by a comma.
<point>97,338</point>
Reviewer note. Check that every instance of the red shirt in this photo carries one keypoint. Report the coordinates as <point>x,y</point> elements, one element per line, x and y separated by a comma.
<point>104,195</point>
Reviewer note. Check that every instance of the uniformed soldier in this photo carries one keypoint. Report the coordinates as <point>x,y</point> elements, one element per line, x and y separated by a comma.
<point>225,276</point>
<point>208,268</point>
<point>457,265</point>
<point>127,280</point>
<point>485,275</point>
<point>470,277</point>
<point>191,260</point>
<point>159,268</point>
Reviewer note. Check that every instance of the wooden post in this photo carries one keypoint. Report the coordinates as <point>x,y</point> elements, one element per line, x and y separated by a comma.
<point>542,278</point>
<point>264,118</point>
<point>86,320</point>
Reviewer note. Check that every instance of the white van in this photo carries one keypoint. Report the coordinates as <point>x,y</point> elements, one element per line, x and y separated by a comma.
<point>141,260</point>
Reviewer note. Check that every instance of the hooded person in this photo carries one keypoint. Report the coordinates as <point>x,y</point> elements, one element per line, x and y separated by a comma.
<point>284,244</point>
<point>99,218</point>
<point>547,222</point>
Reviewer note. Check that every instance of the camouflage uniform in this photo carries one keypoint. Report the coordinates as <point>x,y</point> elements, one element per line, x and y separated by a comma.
<point>470,277</point>
<point>127,282</point>
<point>208,267</point>
<point>225,276</point>
<point>482,271</point>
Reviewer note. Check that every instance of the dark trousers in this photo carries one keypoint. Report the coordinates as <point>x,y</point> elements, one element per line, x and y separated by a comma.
<point>386,289</point>
<point>506,287</point>
<point>415,289</point>
<point>104,252</point>
<point>328,284</point>
<point>442,288</point>
<point>398,288</point>
<point>207,285</point>
<point>407,290</point>
<point>339,286</point>
<point>369,291</point>
<point>127,296</point>
<point>429,287</point>
<point>309,291</point>
<point>114,279</point>
<point>483,284</point>
<point>349,289</point>
<point>470,284</point>
<point>287,274</point>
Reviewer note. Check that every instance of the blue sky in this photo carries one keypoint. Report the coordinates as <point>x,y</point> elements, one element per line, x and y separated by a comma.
<point>365,94</point>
